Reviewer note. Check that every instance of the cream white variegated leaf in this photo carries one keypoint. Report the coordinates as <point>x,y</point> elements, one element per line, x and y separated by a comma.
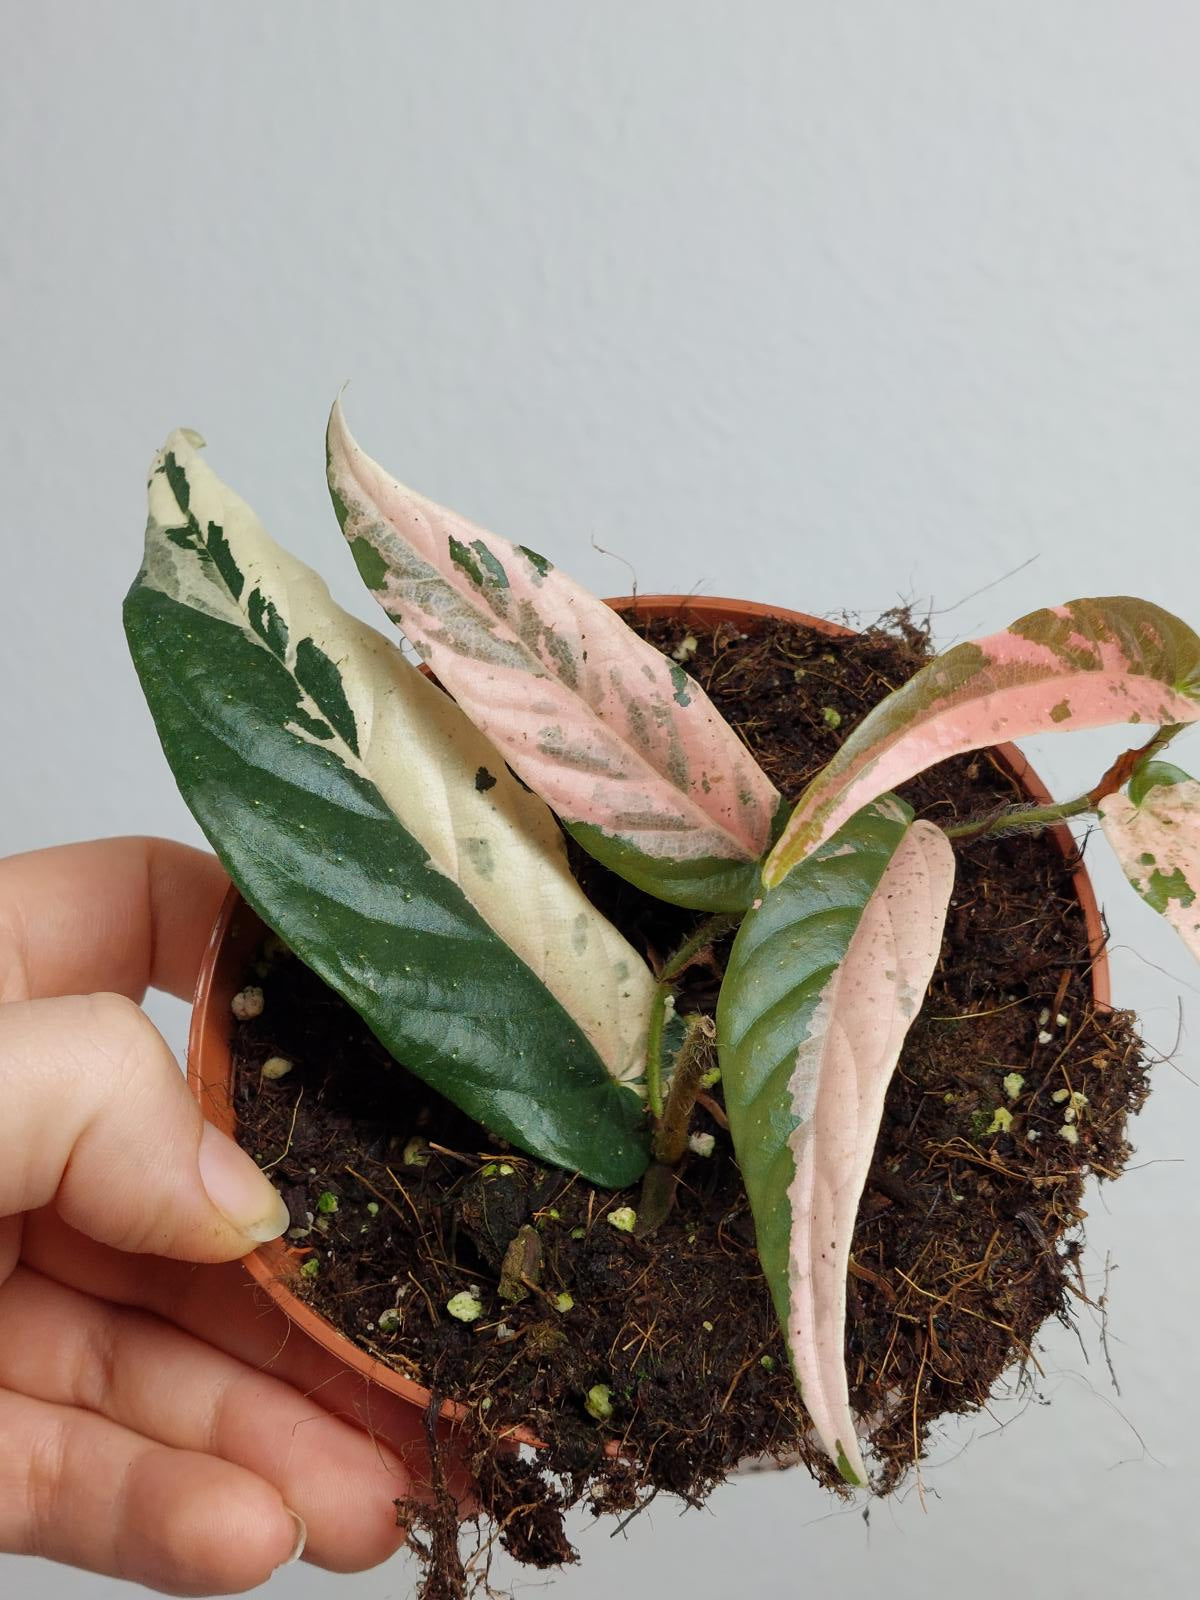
<point>1155,832</point>
<point>620,741</point>
<point>825,978</point>
<point>379,831</point>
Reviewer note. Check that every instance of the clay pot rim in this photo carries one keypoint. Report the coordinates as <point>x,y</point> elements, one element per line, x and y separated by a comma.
<point>209,1062</point>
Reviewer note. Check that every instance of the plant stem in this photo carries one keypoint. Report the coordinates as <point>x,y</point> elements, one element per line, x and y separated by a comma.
<point>699,940</point>
<point>1032,817</point>
<point>669,1143</point>
<point>654,1049</point>
<point>1043,816</point>
<point>670,1134</point>
<point>1122,768</point>
<point>656,1198</point>
<point>709,931</point>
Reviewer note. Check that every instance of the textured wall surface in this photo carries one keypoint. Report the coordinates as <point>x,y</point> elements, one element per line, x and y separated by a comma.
<point>824,304</point>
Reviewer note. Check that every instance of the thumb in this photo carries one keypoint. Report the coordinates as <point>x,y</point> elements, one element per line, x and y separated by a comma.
<point>98,1121</point>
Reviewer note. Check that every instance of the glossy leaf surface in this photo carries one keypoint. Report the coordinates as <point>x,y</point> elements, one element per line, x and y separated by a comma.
<point>379,833</point>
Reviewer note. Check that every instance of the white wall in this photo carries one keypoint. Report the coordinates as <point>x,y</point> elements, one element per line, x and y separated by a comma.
<point>823,303</point>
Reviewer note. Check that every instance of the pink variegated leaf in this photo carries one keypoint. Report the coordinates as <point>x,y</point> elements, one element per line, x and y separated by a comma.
<point>1155,831</point>
<point>621,743</point>
<point>1079,665</point>
<point>824,980</point>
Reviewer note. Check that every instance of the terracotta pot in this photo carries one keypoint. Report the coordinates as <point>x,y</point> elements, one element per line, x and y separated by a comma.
<point>238,933</point>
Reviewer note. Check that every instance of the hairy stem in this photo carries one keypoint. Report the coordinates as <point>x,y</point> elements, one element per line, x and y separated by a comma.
<point>1031,817</point>
<point>709,931</point>
<point>697,942</point>
<point>669,1143</point>
<point>670,1134</point>
<point>1043,816</point>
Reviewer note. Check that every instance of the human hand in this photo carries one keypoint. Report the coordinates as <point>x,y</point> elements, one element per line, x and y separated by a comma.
<point>140,1436</point>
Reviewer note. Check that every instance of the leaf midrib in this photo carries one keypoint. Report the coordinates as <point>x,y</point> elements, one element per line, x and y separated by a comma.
<point>467,592</point>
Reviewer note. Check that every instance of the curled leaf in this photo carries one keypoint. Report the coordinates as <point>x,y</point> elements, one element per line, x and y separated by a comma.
<point>618,739</point>
<point>1079,665</point>
<point>825,978</point>
<point>1155,832</point>
<point>1149,775</point>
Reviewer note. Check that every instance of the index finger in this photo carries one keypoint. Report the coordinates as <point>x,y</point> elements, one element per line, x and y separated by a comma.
<point>116,915</point>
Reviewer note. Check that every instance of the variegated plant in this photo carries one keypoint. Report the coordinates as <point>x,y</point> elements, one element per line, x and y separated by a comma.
<point>618,740</point>
<point>406,842</point>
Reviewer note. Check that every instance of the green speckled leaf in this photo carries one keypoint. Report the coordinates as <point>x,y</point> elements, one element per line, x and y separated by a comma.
<point>1155,832</point>
<point>382,836</point>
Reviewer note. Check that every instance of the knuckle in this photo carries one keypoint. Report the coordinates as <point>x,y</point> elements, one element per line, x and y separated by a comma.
<point>222,1414</point>
<point>185,1546</point>
<point>44,1474</point>
<point>96,1376</point>
<point>121,1151</point>
<point>120,1032</point>
<point>14,959</point>
<point>115,1018</point>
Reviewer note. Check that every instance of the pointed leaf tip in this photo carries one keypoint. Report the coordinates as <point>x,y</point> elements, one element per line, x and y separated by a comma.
<point>341,790</point>
<point>619,740</point>
<point>1080,665</point>
<point>824,981</point>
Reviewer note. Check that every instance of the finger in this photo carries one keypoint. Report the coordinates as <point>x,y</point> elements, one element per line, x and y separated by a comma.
<point>71,1349</point>
<point>119,914</point>
<point>226,1308</point>
<point>98,1120</point>
<point>79,1489</point>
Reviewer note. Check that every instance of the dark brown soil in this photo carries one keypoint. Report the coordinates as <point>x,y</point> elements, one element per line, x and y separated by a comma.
<point>968,1234</point>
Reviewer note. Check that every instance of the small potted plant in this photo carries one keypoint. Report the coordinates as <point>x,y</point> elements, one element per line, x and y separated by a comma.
<point>587,956</point>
